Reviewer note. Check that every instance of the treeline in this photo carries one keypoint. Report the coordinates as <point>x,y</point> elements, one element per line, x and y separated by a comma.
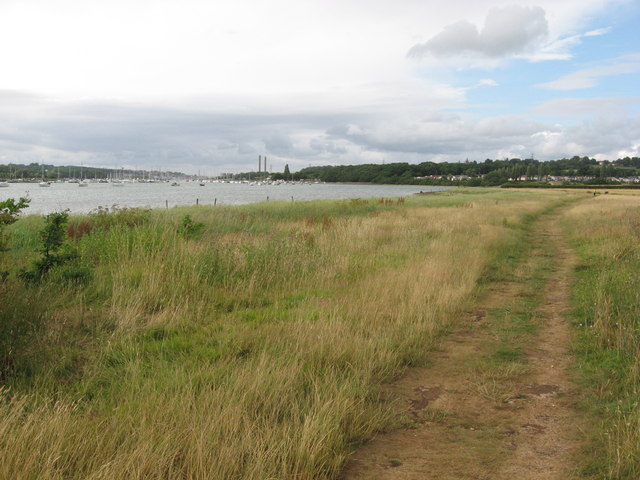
<point>489,172</point>
<point>15,171</point>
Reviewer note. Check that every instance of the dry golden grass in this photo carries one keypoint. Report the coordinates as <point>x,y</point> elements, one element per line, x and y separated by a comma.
<point>255,353</point>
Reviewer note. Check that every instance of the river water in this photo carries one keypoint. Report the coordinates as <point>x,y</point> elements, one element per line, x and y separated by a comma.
<point>62,196</point>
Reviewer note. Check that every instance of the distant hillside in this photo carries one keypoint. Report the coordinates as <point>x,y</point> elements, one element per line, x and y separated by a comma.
<point>53,172</point>
<point>489,172</point>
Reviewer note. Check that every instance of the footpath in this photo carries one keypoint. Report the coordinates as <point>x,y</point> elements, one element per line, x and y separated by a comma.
<point>496,400</point>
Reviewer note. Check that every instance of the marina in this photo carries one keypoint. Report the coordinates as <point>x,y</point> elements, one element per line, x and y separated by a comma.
<point>63,196</point>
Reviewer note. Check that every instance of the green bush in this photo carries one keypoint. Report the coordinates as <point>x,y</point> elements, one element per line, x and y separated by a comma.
<point>188,228</point>
<point>76,274</point>
<point>9,211</point>
<point>105,218</point>
<point>53,249</point>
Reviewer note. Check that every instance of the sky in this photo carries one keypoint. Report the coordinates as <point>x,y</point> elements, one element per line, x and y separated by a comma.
<point>207,86</point>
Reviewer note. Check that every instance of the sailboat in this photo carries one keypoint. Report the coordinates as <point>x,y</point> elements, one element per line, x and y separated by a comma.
<point>82,183</point>
<point>44,183</point>
<point>115,181</point>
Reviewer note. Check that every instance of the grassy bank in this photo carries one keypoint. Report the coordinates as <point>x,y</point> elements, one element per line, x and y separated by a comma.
<point>606,234</point>
<point>253,346</point>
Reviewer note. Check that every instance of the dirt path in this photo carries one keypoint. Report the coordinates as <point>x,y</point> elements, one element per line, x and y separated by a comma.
<point>481,411</point>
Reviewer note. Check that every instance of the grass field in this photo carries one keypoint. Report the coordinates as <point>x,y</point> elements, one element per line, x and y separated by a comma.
<point>606,236</point>
<point>254,346</point>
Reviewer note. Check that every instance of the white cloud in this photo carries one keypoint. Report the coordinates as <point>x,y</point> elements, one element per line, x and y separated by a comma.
<point>488,82</point>
<point>588,77</point>
<point>144,49</point>
<point>597,32</point>
<point>558,49</point>
<point>507,31</point>
<point>194,83</point>
<point>586,107</point>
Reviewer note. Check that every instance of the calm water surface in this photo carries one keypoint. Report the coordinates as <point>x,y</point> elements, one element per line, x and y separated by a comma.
<point>61,196</point>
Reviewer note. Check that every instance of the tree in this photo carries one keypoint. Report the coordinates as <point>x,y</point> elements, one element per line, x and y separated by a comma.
<point>9,211</point>
<point>52,237</point>
<point>286,169</point>
<point>53,233</point>
<point>529,173</point>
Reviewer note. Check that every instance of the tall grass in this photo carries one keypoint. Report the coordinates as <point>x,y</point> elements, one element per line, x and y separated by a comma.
<point>253,350</point>
<point>606,232</point>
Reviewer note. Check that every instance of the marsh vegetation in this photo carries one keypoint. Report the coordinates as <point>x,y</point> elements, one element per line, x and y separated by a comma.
<point>238,342</point>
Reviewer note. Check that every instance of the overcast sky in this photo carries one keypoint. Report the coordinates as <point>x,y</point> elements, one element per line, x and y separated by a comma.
<point>201,85</point>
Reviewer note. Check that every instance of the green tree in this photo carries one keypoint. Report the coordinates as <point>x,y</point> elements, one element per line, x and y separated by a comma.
<point>9,211</point>
<point>286,169</point>
<point>53,233</point>
<point>52,236</point>
<point>529,173</point>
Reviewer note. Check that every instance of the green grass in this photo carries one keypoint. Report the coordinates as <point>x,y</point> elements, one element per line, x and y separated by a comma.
<point>607,331</point>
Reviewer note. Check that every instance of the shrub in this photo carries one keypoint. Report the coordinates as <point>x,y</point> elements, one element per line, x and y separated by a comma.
<point>53,233</point>
<point>76,274</point>
<point>52,237</point>
<point>188,228</point>
<point>77,230</point>
<point>105,218</point>
<point>9,211</point>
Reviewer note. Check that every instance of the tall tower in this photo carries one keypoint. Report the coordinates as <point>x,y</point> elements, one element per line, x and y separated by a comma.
<point>259,163</point>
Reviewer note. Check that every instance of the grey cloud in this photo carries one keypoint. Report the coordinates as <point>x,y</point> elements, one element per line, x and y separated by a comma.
<point>580,107</point>
<point>228,146</point>
<point>115,134</point>
<point>509,127</point>
<point>321,145</point>
<point>494,137</point>
<point>246,149</point>
<point>103,134</point>
<point>278,144</point>
<point>509,30</point>
<point>606,134</point>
